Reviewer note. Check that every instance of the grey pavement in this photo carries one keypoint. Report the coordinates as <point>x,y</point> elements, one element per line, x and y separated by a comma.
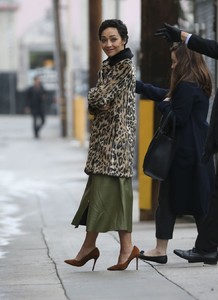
<point>41,183</point>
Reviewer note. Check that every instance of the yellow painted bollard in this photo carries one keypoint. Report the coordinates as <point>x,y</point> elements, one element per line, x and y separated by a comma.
<point>79,117</point>
<point>146,131</point>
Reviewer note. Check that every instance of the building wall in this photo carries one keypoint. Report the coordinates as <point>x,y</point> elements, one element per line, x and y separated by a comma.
<point>204,26</point>
<point>8,50</point>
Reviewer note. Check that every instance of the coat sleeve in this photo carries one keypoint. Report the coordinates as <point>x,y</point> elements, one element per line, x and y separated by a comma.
<point>181,104</point>
<point>28,97</point>
<point>150,91</point>
<point>211,144</point>
<point>203,46</point>
<point>108,88</point>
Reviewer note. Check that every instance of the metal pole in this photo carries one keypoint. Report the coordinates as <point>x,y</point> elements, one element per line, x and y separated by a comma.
<point>69,75</point>
<point>59,64</point>
<point>11,78</point>
<point>95,52</point>
<point>117,9</point>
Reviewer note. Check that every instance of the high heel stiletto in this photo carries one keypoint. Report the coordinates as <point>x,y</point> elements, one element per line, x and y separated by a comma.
<point>120,267</point>
<point>94,254</point>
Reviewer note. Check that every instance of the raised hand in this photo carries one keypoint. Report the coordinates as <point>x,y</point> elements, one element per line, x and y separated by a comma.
<point>170,33</point>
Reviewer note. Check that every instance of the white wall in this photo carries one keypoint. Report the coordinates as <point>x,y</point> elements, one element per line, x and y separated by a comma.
<point>8,53</point>
<point>130,13</point>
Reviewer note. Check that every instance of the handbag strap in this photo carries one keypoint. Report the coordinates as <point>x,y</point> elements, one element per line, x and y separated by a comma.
<point>166,121</point>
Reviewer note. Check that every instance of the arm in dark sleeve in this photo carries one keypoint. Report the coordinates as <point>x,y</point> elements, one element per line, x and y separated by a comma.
<point>44,94</point>
<point>150,92</point>
<point>28,97</point>
<point>181,104</point>
<point>211,144</point>
<point>203,46</point>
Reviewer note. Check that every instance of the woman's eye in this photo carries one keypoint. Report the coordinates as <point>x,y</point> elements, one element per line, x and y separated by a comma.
<point>113,40</point>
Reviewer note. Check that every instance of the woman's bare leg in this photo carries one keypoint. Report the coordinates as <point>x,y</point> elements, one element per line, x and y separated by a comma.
<point>125,245</point>
<point>88,245</point>
<point>159,250</point>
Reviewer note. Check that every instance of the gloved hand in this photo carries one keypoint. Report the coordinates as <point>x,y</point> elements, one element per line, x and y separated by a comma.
<point>170,33</point>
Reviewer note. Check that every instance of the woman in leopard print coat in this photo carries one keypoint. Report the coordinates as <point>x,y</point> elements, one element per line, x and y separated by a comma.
<point>107,201</point>
<point>112,137</point>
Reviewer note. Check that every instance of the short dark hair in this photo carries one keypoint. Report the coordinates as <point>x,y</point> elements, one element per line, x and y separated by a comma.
<point>121,28</point>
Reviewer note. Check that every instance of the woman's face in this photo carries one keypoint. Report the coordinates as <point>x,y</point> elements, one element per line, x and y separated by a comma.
<point>173,60</point>
<point>111,41</point>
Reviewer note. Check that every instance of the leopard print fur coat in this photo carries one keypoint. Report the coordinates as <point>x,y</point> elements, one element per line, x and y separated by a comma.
<point>113,132</point>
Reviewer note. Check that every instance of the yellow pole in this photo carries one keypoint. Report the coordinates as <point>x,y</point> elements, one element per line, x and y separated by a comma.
<point>146,130</point>
<point>79,117</point>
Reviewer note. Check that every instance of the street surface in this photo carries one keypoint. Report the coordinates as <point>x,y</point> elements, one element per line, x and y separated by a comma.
<point>41,184</point>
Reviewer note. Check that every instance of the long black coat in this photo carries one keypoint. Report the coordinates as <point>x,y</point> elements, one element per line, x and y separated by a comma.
<point>191,183</point>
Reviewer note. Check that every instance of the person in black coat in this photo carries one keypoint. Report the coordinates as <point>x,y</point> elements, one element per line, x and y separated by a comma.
<point>188,100</point>
<point>36,103</point>
<point>205,249</point>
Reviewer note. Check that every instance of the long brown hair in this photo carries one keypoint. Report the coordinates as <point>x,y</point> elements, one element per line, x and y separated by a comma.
<point>190,67</point>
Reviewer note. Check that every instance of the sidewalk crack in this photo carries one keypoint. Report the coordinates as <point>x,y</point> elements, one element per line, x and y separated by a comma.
<point>55,266</point>
<point>164,276</point>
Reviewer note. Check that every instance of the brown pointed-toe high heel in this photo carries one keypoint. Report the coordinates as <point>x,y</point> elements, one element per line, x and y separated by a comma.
<point>94,254</point>
<point>120,267</point>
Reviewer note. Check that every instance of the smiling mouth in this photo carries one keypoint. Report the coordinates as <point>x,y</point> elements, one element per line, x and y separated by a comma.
<point>109,51</point>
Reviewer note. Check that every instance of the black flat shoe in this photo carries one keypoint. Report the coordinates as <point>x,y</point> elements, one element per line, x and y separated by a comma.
<point>193,256</point>
<point>158,259</point>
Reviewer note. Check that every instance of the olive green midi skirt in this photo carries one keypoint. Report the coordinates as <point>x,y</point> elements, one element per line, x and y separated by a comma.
<point>106,204</point>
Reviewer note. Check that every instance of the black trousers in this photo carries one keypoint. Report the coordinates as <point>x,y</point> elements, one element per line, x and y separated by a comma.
<point>38,122</point>
<point>165,218</point>
<point>207,239</point>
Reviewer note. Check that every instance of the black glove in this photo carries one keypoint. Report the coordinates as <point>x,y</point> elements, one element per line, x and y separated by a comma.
<point>170,33</point>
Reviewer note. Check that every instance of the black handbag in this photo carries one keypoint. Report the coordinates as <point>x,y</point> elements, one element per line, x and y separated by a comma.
<point>160,153</point>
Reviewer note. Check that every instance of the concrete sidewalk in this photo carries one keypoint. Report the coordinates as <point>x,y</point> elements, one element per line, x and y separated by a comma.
<point>41,184</point>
